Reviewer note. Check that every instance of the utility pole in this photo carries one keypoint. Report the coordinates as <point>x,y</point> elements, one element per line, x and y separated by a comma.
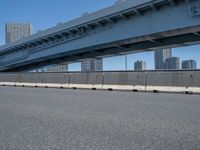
<point>126,68</point>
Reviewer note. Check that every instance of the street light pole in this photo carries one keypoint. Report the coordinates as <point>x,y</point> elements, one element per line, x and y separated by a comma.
<point>126,62</point>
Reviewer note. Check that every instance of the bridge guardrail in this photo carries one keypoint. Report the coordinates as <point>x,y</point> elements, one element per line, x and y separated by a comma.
<point>150,81</point>
<point>9,77</point>
<point>86,80</point>
<point>134,81</point>
<point>178,81</point>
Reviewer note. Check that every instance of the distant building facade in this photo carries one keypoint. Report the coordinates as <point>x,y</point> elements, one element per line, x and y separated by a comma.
<point>189,64</point>
<point>92,65</point>
<point>17,31</point>
<point>160,57</point>
<point>172,63</point>
<point>140,65</point>
<point>58,68</point>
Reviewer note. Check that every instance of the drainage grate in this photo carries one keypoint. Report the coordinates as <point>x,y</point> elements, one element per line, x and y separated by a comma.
<point>188,92</point>
<point>155,91</point>
<point>135,90</point>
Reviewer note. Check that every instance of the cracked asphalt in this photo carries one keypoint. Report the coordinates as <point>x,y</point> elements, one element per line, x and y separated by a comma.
<point>63,119</point>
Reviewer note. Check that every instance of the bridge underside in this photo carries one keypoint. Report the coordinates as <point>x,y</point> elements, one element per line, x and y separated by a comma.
<point>110,50</point>
<point>155,25</point>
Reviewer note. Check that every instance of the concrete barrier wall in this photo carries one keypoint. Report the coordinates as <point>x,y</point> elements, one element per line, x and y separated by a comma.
<point>177,81</point>
<point>86,80</point>
<point>166,81</point>
<point>125,80</point>
<point>178,78</point>
<point>62,78</point>
<point>30,78</point>
<point>9,77</point>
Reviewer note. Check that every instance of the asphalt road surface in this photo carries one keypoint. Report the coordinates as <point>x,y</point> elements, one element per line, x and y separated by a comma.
<point>55,119</point>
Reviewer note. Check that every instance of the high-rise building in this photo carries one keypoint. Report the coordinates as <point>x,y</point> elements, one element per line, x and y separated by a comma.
<point>189,64</point>
<point>92,65</point>
<point>172,63</point>
<point>17,31</point>
<point>58,68</point>
<point>160,57</point>
<point>140,65</point>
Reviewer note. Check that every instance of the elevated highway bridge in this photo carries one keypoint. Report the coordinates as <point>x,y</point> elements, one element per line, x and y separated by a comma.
<point>126,27</point>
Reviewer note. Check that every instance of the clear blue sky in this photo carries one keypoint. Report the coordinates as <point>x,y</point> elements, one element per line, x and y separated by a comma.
<point>43,14</point>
